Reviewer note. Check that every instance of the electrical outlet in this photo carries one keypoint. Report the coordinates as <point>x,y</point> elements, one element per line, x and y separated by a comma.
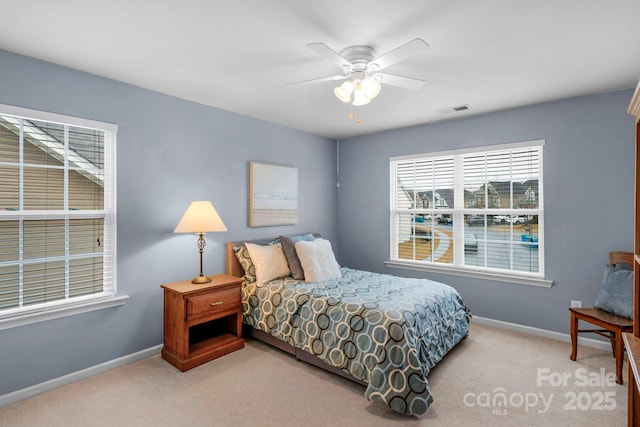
<point>576,304</point>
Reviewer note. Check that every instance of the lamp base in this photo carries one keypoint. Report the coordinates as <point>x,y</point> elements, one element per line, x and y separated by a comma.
<point>200,280</point>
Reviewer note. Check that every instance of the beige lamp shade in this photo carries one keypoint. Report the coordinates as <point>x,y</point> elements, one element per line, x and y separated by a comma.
<point>200,217</point>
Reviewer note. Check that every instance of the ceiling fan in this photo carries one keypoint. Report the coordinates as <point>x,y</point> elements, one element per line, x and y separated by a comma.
<point>362,70</point>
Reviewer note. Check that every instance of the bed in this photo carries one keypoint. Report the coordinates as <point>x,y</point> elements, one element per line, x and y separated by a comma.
<point>382,331</point>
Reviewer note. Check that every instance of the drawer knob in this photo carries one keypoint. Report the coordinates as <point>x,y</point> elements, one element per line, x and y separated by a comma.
<point>216,303</point>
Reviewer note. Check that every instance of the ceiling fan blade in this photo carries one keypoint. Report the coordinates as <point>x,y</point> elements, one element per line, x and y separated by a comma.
<point>324,50</point>
<point>400,81</point>
<point>320,80</point>
<point>413,48</point>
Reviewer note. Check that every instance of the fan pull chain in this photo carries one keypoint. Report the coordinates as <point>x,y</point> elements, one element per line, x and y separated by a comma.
<point>357,116</point>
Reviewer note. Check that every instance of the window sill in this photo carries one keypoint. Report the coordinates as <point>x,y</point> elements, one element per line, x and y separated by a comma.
<point>502,277</point>
<point>62,311</point>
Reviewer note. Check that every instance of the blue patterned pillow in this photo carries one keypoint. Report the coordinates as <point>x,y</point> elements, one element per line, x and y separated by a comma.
<point>242,253</point>
<point>616,293</point>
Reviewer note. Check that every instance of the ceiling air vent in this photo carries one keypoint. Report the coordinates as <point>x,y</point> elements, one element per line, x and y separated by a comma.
<point>455,109</point>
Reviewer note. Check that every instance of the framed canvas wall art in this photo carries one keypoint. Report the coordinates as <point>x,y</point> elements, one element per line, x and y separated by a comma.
<point>273,194</point>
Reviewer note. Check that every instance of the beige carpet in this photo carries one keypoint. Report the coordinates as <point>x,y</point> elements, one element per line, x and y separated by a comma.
<point>261,386</point>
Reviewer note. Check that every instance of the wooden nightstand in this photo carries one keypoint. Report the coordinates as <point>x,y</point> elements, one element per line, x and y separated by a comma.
<point>202,322</point>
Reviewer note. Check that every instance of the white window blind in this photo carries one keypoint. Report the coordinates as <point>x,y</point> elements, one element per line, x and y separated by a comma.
<point>476,210</point>
<point>57,206</point>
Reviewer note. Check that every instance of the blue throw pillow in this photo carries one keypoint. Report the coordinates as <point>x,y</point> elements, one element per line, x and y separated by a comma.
<point>289,249</point>
<point>616,293</point>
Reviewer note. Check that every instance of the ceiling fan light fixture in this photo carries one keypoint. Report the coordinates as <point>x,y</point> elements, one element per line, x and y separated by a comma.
<point>359,98</point>
<point>343,92</point>
<point>361,68</point>
<point>371,88</point>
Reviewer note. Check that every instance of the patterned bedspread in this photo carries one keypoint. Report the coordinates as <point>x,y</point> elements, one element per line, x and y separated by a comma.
<point>385,330</point>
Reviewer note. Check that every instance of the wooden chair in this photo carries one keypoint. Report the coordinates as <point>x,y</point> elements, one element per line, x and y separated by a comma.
<point>612,326</point>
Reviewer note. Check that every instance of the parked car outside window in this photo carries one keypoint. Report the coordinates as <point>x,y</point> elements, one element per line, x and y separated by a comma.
<point>475,220</point>
<point>445,220</point>
<point>516,219</point>
<point>509,219</point>
<point>500,219</point>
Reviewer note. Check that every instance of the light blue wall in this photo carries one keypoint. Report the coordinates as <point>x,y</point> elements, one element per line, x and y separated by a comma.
<point>170,152</point>
<point>589,199</point>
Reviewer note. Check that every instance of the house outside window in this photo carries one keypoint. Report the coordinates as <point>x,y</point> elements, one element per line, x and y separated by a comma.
<point>492,220</point>
<point>57,215</point>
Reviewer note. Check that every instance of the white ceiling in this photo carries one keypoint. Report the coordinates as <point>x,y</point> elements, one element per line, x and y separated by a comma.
<point>239,55</point>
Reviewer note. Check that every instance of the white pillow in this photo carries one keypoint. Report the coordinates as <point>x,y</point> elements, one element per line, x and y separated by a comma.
<point>317,260</point>
<point>269,262</point>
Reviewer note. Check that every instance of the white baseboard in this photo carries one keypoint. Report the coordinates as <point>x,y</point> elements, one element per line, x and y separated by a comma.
<point>588,342</point>
<point>18,395</point>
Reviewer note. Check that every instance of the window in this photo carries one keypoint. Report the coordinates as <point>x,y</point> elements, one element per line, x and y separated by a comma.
<point>475,210</point>
<point>57,205</point>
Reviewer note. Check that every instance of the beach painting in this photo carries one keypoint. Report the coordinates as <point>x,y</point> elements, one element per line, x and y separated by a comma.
<point>273,195</point>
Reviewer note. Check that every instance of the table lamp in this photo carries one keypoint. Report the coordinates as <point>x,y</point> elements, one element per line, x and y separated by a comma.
<point>201,217</point>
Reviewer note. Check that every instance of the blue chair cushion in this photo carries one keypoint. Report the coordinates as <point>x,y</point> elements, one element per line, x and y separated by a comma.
<point>616,293</point>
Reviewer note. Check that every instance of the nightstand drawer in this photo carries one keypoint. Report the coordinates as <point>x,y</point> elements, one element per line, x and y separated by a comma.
<point>212,303</point>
